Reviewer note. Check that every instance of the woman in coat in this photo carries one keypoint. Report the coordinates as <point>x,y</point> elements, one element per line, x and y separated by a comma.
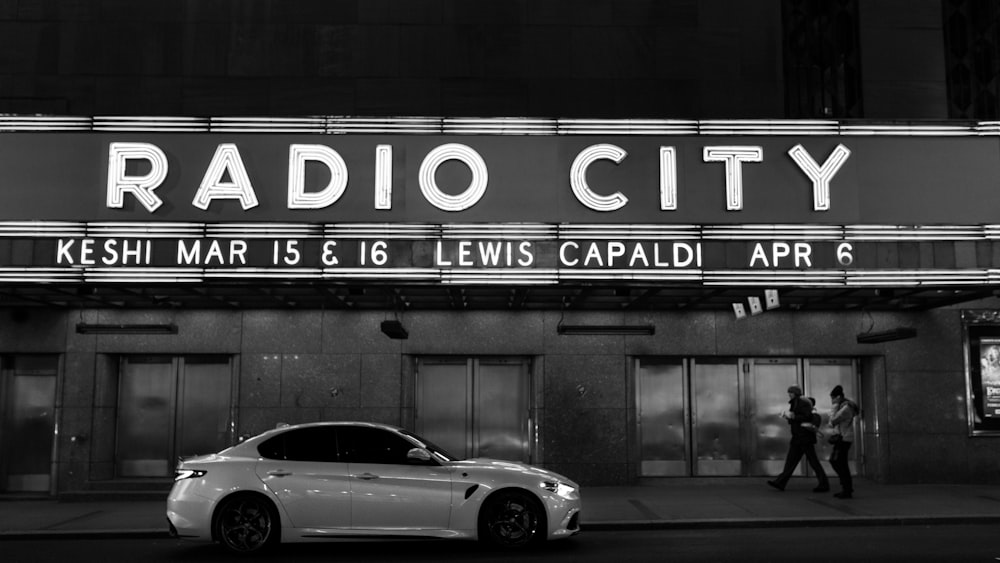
<point>842,436</point>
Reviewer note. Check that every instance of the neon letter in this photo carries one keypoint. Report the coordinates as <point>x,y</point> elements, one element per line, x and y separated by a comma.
<point>578,177</point>
<point>472,194</point>
<point>734,157</point>
<point>820,175</point>
<point>297,196</point>
<point>227,159</point>
<point>383,177</point>
<point>668,178</point>
<point>141,186</point>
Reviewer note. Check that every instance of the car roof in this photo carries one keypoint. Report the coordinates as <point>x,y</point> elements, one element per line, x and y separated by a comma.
<point>281,427</point>
<point>252,441</point>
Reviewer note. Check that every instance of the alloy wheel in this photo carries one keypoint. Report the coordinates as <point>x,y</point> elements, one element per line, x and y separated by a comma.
<point>512,520</point>
<point>245,524</point>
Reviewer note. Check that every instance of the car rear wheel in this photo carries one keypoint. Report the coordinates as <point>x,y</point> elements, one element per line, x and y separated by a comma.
<point>512,519</point>
<point>246,524</point>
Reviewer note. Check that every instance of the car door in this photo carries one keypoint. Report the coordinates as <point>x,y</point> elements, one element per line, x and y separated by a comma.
<point>387,491</point>
<point>301,468</point>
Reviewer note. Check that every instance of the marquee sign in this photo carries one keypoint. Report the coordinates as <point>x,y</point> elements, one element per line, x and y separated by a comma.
<point>763,209</point>
<point>500,253</point>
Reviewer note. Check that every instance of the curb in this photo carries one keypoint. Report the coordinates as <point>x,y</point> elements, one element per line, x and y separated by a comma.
<point>606,526</point>
<point>847,521</point>
<point>84,534</point>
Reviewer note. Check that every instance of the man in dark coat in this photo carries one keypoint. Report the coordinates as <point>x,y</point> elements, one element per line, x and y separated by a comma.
<point>803,442</point>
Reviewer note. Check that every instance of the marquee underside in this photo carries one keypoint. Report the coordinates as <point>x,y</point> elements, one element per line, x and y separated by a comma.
<point>390,297</point>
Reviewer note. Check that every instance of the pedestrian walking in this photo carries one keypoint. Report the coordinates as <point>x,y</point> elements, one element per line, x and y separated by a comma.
<point>802,443</point>
<point>841,438</point>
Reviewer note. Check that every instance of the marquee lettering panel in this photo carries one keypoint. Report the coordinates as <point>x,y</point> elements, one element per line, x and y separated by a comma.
<point>513,201</point>
<point>773,256</point>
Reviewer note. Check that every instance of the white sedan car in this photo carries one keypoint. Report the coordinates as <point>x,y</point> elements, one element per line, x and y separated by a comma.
<point>329,480</point>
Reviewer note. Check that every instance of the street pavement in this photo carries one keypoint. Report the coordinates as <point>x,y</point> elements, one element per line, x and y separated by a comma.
<point>666,504</point>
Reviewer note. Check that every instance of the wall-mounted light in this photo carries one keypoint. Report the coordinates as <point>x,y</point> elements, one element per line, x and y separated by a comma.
<point>579,330</point>
<point>395,330</point>
<point>92,328</point>
<point>898,333</point>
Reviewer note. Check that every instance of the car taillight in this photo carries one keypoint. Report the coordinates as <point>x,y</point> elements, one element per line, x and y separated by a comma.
<point>182,474</point>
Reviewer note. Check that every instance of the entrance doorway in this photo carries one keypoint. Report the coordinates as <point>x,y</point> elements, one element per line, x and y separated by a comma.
<point>28,397</point>
<point>722,416</point>
<point>171,407</point>
<point>475,407</point>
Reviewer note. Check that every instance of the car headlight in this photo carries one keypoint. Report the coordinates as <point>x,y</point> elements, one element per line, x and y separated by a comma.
<point>182,474</point>
<point>559,488</point>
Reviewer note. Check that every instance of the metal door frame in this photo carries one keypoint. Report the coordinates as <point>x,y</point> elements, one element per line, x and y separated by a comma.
<point>525,421</point>
<point>8,366</point>
<point>471,423</point>
<point>746,386</point>
<point>754,467</point>
<point>687,416</point>
<point>171,406</point>
<point>857,448</point>
<point>741,414</point>
<point>178,374</point>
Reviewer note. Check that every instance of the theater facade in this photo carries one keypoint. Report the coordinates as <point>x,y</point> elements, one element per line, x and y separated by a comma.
<point>621,301</point>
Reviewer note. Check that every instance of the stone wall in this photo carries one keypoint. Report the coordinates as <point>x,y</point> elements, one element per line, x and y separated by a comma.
<point>296,366</point>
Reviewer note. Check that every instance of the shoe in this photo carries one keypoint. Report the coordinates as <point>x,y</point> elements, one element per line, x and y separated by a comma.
<point>821,489</point>
<point>776,485</point>
<point>842,494</point>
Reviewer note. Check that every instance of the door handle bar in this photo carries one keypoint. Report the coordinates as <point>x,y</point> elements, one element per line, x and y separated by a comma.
<point>366,476</point>
<point>279,473</point>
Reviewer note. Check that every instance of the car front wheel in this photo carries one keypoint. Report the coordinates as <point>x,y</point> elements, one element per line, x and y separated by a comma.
<point>246,524</point>
<point>512,519</point>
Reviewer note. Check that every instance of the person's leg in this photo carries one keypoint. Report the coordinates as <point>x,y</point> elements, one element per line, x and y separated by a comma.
<point>836,456</point>
<point>817,467</point>
<point>846,481</point>
<point>839,460</point>
<point>791,462</point>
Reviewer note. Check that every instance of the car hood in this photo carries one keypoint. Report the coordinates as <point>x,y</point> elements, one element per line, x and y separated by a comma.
<point>504,465</point>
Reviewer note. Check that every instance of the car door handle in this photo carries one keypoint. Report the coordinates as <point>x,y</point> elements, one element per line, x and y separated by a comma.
<point>366,476</point>
<point>279,473</point>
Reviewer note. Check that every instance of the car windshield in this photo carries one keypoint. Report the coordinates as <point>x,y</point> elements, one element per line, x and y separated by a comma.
<point>438,452</point>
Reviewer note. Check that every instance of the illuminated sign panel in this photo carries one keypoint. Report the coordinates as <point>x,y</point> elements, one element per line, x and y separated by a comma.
<point>767,210</point>
<point>515,253</point>
<point>502,179</point>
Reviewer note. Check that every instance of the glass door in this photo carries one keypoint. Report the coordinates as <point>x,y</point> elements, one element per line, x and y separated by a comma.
<point>444,408</point>
<point>821,377</point>
<point>145,412</point>
<point>500,410</point>
<point>28,393</point>
<point>718,420</point>
<point>722,416</point>
<point>768,380</point>
<point>475,407</point>
<point>168,408</point>
<point>661,391</point>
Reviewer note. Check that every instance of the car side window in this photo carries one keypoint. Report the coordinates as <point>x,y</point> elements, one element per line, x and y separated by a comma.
<point>372,445</point>
<point>318,443</point>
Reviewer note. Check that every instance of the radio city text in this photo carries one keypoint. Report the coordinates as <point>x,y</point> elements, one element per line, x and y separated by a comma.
<point>227,177</point>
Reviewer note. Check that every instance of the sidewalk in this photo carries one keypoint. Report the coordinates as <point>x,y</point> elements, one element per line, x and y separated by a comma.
<point>682,503</point>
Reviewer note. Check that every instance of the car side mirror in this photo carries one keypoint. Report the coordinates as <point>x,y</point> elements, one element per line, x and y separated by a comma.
<point>418,455</point>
